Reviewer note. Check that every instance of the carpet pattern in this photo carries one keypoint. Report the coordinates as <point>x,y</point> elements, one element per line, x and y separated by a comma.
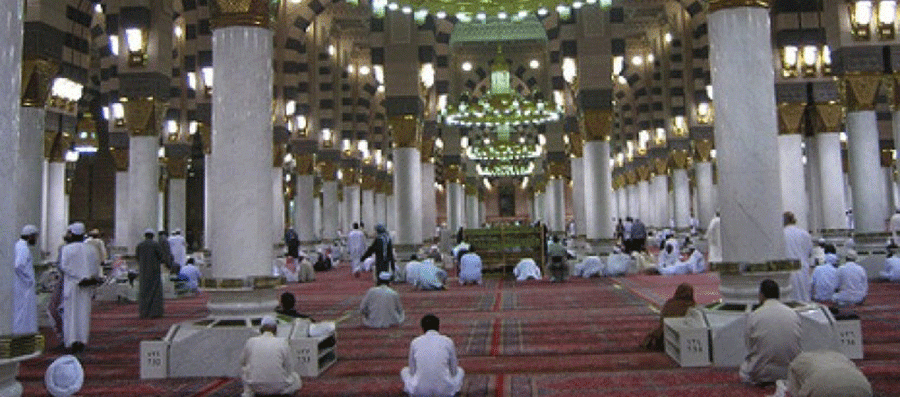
<point>578,338</point>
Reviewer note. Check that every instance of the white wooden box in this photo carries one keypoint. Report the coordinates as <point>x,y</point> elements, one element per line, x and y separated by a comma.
<point>686,343</point>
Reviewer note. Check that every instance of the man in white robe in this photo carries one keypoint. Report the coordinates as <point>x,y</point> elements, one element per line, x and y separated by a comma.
<point>619,264</point>
<point>356,247</point>
<point>433,369</point>
<point>695,262</point>
<point>411,271</point>
<point>470,268</point>
<point>590,266</point>
<point>381,307</point>
<point>853,283</point>
<point>714,239</point>
<point>894,226</point>
<point>798,245</point>
<point>668,258</point>
<point>268,364</point>
<point>79,263</point>
<point>24,320</point>
<point>191,274</point>
<point>527,269</point>
<point>772,337</point>
<point>825,279</point>
<point>891,270</point>
<point>178,248</point>
<point>431,277</point>
<point>826,374</point>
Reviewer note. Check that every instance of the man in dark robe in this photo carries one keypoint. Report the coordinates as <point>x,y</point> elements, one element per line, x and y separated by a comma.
<point>150,295</point>
<point>383,249</point>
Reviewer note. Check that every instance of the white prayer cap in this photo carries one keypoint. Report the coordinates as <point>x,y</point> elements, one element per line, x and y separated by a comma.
<point>29,230</point>
<point>64,377</point>
<point>384,276</point>
<point>77,228</point>
<point>177,231</point>
<point>149,231</point>
<point>268,321</point>
<point>850,255</point>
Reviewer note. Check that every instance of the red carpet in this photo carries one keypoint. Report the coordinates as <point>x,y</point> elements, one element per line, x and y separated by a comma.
<point>579,338</point>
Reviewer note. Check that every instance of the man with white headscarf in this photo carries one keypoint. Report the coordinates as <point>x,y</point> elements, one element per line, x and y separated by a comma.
<point>668,258</point>
<point>590,266</point>
<point>527,269</point>
<point>381,307</point>
<point>470,267</point>
<point>825,279</point>
<point>268,364</point>
<point>80,264</point>
<point>798,245</point>
<point>64,377</point>
<point>431,277</point>
<point>356,247</point>
<point>411,271</point>
<point>24,319</point>
<point>853,283</point>
<point>618,263</point>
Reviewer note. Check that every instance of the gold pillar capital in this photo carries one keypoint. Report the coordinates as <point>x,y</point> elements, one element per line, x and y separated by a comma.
<point>597,124</point>
<point>716,5</point>
<point>576,144</point>
<point>703,148</point>
<point>471,189</point>
<point>859,91</point>
<point>227,13</point>
<point>369,181</point>
<point>454,173</point>
<point>426,150</point>
<point>206,137</point>
<point>328,171</point>
<point>37,75</point>
<point>681,158</point>
<point>790,117</point>
<point>557,169</point>
<point>644,172</point>
<point>305,164</point>
<point>661,166</point>
<point>829,117</point>
<point>406,131</point>
<point>120,158</point>
<point>619,181</point>
<point>631,177</point>
<point>143,116</point>
<point>349,176</point>
<point>55,145</point>
<point>176,167</point>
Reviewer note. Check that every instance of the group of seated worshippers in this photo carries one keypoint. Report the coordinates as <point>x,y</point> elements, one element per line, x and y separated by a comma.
<point>381,306</point>
<point>425,275</point>
<point>294,270</point>
<point>843,285</point>
<point>670,262</point>
<point>617,264</point>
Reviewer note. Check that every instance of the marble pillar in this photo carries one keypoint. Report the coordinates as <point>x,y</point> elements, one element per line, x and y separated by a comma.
<point>390,204</point>
<point>578,198</point>
<point>429,202</point>
<point>351,209</point>
<point>143,187</point>
<point>597,187</point>
<point>304,208</point>
<point>177,203</point>
<point>644,200</point>
<point>556,201</point>
<point>330,211</point>
<point>812,175</point>
<point>10,77</point>
<point>121,233</point>
<point>622,201</point>
<point>472,211</point>
<point>208,170</point>
<point>29,166</point>
<point>634,201</point>
<point>242,149</point>
<point>278,210</point>
<point>793,182</point>
<point>749,188</point>
<point>408,195</point>
<point>57,221</point>
<point>661,200</point>
<point>539,206</point>
<point>682,203</point>
<point>456,208</point>
<point>161,210</point>
<point>368,208</point>
<point>703,173</point>
<point>380,209</point>
<point>869,195</point>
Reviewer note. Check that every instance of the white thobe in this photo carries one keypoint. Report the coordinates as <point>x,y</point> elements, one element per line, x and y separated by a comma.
<point>381,307</point>
<point>824,282</point>
<point>695,262</point>
<point>894,225</point>
<point>268,366</point>
<point>412,273</point>
<point>470,268</point>
<point>78,261</point>
<point>772,337</point>
<point>589,267</point>
<point>527,269</point>
<point>853,284</point>
<point>192,274</point>
<point>798,245</point>
<point>178,247</point>
<point>367,264</point>
<point>433,369</point>
<point>826,374</point>
<point>356,247</point>
<point>24,319</point>
<point>618,264</point>
<point>431,277</point>
<point>667,259</point>
<point>714,240</point>
<point>891,270</point>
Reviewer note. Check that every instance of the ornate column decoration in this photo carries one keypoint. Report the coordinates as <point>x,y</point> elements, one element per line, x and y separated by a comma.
<point>37,75</point>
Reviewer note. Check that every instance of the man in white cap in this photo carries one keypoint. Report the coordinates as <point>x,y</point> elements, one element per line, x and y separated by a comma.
<point>24,319</point>
<point>64,377</point>
<point>80,264</point>
<point>381,307</point>
<point>853,284</point>
<point>150,256</point>
<point>268,364</point>
<point>178,248</point>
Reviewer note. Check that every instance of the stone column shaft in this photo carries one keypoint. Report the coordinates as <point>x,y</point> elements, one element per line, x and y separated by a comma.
<point>429,203</point>
<point>682,192</point>
<point>472,211</point>
<point>368,208</point>
<point>177,203</point>
<point>57,221</point>
<point>869,195</point>
<point>644,202</point>
<point>578,197</point>
<point>330,214</point>
<point>278,210</point>
<point>597,185</point>
<point>661,200</point>
<point>29,166</point>
<point>143,187</point>
<point>304,208</point>
<point>793,181</point>
<point>456,210</point>
<point>703,172</point>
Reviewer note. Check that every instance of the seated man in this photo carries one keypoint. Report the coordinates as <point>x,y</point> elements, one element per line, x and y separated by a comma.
<point>826,374</point>
<point>368,264</point>
<point>853,283</point>
<point>287,308</point>
<point>891,270</point>
<point>618,263</point>
<point>431,277</point>
<point>696,263</point>
<point>470,267</point>
<point>412,271</point>
<point>191,274</point>
<point>268,363</point>
<point>668,258</point>
<point>381,307</point>
<point>825,279</point>
<point>590,266</point>
<point>323,262</point>
<point>772,338</point>
<point>433,370</point>
<point>676,306</point>
<point>285,267</point>
<point>527,269</point>
<point>305,270</point>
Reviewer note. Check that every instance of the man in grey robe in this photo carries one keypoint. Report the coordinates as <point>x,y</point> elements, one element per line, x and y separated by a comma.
<point>772,337</point>
<point>150,295</point>
<point>826,374</point>
<point>381,307</point>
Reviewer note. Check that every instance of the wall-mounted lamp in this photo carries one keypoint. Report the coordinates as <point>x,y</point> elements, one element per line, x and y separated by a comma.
<point>86,136</point>
<point>192,80</point>
<point>137,46</point>
<point>704,113</point>
<point>679,126</point>
<point>207,73</point>
<point>810,60</point>
<point>65,94</point>
<point>860,18</point>
<point>326,137</point>
<point>887,14</point>
<point>300,124</point>
<point>790,56</point>
<point>118,114</point>
<point>426,75</point>
<point>569,70</point>
<point>114,44</point>
<point>193,127</point>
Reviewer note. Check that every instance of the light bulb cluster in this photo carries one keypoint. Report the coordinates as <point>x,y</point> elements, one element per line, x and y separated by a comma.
<point>505,169</point>
<point>467,12</point>
<point>501,110</point>
<point>503,151</point>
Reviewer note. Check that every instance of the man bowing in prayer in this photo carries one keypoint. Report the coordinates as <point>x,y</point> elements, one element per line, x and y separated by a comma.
<point>798,245</point>
<point>150,296</point>
<point>80,266</point>
<point>356,247</point>
<point>24,301</point>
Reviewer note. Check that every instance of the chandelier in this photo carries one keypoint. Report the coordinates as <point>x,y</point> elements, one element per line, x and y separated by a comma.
<point>505,169</point>
<point>503,151</point>
<point>466,11</point>
<point>501,107</point>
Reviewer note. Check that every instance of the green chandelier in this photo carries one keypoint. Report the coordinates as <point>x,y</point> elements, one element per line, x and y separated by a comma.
<point>503,151</point>
<point>505,169</point>
<point>467,11</point>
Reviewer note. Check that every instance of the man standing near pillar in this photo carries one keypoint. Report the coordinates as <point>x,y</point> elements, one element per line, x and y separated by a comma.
<point>24,319</point>
<point>798,245</point>
<point>80,265</point>
<point>383,249</point>
<point>150,256</point>
<point>356,247</point>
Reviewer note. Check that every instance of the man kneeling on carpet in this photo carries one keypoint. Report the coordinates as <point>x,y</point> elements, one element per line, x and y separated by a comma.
<point>268,365</point>
<point>433,370</point>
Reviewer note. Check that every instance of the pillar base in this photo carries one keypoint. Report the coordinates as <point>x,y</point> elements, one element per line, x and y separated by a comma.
<point>17,348</point>
<point>602,246</point>
<point>9,386</point>
<point>872,251</point>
